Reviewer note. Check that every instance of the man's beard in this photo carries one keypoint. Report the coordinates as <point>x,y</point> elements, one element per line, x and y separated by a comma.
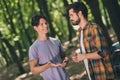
<point>76,22</point>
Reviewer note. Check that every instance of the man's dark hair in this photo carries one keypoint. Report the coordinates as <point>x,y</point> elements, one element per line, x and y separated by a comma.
<point>35,20</point>
<point>78,6</point>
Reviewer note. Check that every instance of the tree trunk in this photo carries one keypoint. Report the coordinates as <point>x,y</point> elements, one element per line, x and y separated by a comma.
<point>70,29</point>
<point>23,24</point>
<point>44,8</point>
<point>14,56</point>
<point>13,28</point>
<point>113,9</point>
<point>94,6</point>
<point>6,56</point>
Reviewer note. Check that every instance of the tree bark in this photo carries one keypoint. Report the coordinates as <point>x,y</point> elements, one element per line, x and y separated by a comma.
<point>113,9</point>
<point>14,56</point>
<point>94,6</point>
<point>23,24</point>
<point>70,28</point>
<point>17,43</point>
<point>44,9</point>
<point>8,60</point>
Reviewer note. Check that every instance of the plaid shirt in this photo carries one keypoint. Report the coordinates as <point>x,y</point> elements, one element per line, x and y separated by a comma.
<point>100,69</point>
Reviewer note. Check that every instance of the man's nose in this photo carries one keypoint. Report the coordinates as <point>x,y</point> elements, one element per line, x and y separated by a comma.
<point>70,19</point>
<point>45,25</point>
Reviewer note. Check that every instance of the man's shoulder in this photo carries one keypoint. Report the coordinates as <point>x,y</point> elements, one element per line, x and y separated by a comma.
<point>34,44</point>
<point>94,24</point>
<point>53,39</point>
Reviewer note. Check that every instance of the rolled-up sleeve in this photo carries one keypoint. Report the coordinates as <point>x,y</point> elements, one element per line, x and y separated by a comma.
<point>100,41</point>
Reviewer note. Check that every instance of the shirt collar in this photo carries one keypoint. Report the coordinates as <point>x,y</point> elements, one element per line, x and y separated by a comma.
<point>84,27</point>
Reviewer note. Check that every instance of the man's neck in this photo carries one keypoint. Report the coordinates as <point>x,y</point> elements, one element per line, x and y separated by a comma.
<point>43,37</point>
<point>83,23</point>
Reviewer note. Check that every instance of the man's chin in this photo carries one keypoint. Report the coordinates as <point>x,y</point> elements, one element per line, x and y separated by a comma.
<point>74,24</point>
<point>76,27</point>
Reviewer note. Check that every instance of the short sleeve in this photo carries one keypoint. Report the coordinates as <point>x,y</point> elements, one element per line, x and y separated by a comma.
<point>62,52</point>
<point>33,53</point>
<point>61,48</point>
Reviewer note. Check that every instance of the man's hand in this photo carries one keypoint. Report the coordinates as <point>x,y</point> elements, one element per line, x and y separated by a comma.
<point>81,57</point>
<point>76,57</point>
<point>64,63</point>
<point>52,65</point>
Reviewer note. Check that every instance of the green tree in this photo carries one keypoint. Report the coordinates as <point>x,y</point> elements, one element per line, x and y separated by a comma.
<point>113,9</point>
<point>94,6</point>
<point>44,10</point>
<point>13,54</point>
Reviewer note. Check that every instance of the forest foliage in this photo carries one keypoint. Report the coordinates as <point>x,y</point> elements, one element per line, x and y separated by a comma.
<point>17,34</point>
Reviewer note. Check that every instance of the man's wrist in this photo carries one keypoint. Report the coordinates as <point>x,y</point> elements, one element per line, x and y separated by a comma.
<point>66,60</point>
<point>84,56</point>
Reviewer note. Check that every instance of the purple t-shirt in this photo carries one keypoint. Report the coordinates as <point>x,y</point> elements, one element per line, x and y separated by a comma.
<point>45,51</point>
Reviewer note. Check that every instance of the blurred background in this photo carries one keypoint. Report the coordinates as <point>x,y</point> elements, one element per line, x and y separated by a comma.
<point>17,34</point>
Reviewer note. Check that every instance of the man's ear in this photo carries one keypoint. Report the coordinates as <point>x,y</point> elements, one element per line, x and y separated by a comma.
<point>35,28</point>
<point>79,13</point>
